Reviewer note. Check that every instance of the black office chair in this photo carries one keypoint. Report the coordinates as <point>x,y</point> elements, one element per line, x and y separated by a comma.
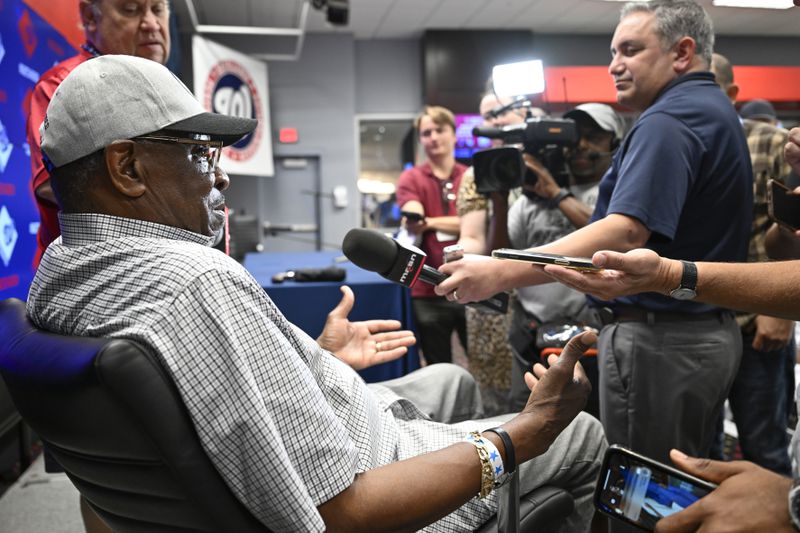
<point>13,429</point>
<point>113,419</point>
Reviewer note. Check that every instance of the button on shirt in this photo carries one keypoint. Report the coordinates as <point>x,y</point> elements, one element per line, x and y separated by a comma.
<point>286,423</point>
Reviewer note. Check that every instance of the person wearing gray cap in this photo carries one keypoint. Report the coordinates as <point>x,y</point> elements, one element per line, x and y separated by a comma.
<point>296,434</point>
<point>546,212</point>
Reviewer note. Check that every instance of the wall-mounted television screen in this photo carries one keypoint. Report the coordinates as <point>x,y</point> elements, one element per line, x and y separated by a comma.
<point>466,143</point>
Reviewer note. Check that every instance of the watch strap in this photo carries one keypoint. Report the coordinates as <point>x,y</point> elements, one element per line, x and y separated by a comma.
<point>558,198</point>
<point>689,277</point>
<point>794,504</point>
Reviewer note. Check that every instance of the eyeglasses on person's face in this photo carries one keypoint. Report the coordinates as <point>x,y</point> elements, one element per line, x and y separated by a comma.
<point>204,152</point>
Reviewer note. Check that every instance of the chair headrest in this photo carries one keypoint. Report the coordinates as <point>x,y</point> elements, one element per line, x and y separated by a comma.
<point>31,354</point>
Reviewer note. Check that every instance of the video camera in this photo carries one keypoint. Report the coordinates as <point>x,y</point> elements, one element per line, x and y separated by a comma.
<point>502,169</point>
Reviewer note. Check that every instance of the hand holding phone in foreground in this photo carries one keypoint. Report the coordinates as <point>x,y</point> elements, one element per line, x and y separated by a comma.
<point>749,498</point>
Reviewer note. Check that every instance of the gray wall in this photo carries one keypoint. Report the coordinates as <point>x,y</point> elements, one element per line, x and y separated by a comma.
<point>388,76</point>
<point>336,78</point>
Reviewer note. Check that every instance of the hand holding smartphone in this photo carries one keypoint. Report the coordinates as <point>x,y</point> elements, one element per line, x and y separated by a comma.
<point>640,491</point>
<point>783,206</point>
<point>539,258</point>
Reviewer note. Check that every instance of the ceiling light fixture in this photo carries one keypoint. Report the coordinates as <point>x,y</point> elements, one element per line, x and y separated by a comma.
<point>758,4</point>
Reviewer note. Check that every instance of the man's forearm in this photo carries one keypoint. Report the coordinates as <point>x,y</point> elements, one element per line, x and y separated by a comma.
<point>407,495</point>
<point>614,232</point>
<point>449,224</point>
<point>576,211</point>
<point>765,288</point>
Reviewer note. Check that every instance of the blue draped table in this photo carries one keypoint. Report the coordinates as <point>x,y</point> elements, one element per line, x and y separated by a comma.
<point>307,304</point>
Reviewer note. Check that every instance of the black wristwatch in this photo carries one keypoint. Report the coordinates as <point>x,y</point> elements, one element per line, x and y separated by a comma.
<point>558,198</point>
<point>794,504</point>
<point>687,290</point>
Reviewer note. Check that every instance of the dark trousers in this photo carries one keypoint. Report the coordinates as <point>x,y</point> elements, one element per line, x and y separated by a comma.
<point>436,318</point>
<point>760,400</point>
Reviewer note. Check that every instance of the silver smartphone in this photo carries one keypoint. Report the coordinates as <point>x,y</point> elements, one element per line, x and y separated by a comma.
<point>581,263</point>
<point>640,491</point>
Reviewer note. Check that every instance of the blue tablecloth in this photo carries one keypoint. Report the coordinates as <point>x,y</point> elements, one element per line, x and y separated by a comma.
<point>307,304</point>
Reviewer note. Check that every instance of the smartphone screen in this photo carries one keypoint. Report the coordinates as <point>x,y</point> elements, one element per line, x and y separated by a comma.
<point>581,263</point>
<point>784,208</point>
<point>641,491</point>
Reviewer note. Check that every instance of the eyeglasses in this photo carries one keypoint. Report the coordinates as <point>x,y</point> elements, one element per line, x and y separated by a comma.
<point>206,154</point>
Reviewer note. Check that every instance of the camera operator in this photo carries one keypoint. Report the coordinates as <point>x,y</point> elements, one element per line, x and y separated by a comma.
<point>547,212</point>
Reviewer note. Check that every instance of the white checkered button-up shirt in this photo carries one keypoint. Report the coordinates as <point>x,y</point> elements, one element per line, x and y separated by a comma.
<point>287,424</point>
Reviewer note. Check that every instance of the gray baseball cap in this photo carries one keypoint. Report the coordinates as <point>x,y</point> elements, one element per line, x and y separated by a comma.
<point>116,97</point>
<point>603,115</point>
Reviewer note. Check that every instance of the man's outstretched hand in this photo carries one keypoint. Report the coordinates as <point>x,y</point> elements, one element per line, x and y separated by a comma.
<point>558,394</point>
<point>749,498</point>
<point>636,271</point>
<point>366,343</point>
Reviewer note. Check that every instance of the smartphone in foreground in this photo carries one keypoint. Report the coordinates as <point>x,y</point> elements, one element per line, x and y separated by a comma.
<point>580,263</point>
<point>641,491</point>
<point>783,207</point>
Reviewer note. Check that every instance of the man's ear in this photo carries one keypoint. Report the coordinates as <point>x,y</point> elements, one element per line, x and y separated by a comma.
<point>732,91</point>
<point>685,53</point>
<point>88,16</point>
<point>124,169</point>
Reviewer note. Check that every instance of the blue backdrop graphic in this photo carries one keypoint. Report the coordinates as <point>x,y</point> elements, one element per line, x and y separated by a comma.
<point>28,47</point>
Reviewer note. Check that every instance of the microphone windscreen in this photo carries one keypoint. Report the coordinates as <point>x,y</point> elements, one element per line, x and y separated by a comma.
<point>370,250</point>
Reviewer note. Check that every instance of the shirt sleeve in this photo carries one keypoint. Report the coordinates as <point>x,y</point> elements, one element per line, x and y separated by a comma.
<point>468,198</point>
<point>257,408</point>
<point>40,99</point>
<point>407,188</point>
<point>656,174</point>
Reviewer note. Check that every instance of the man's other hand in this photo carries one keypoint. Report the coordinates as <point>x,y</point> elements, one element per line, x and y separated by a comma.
<point>362,344</point>
<point>749,498</point>
<point>772,333</point>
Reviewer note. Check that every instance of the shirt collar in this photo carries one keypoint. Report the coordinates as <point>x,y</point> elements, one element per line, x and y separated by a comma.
<point>80,229</point>
<point>701,75</point>
<point>91,49</point>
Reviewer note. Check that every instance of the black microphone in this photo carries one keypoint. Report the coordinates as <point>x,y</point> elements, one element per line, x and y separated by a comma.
<point>374,251</point>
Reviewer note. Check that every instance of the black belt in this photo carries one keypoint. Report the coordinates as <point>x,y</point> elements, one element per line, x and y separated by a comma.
<point>608,315</point>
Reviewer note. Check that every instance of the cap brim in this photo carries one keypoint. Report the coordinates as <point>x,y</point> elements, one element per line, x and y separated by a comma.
<point>220,127</point>
<point>575,114</point>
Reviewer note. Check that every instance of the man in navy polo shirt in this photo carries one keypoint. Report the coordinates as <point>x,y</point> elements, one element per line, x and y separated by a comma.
<point>679,184</point>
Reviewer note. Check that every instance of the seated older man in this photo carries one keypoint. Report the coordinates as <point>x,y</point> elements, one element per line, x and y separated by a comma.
<point>297,435</point>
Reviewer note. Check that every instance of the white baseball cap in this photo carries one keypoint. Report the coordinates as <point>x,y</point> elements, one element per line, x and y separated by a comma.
<point>114,97</point>
<point>603,115</point>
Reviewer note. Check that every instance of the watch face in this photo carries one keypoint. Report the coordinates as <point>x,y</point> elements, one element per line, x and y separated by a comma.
<point>682,293</point>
